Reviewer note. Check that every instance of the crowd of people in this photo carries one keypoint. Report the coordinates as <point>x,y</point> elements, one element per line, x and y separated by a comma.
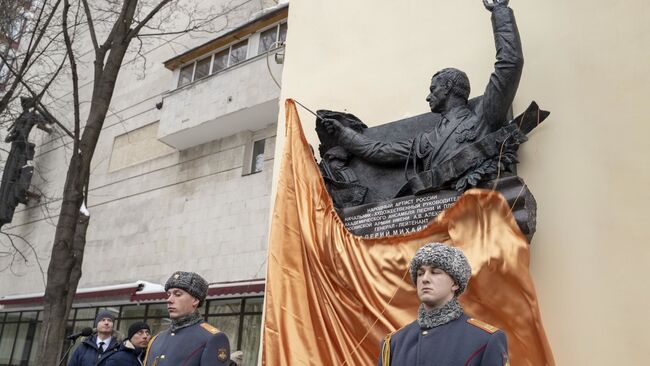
<point>189,340</point>
<point>441,331</point>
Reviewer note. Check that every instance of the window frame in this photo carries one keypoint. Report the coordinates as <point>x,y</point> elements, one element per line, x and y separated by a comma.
<point>252,137</point>
<point>196,66</point>
<point>252,51</point>
<point>180,74</point>
<point>253,161</point>
<point>246,57</point>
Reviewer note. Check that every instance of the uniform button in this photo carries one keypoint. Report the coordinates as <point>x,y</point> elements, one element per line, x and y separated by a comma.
<point>162,357</point>
<point>425,332</point>
<point>173,334</point>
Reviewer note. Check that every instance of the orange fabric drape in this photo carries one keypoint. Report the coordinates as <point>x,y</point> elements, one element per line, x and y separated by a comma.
<point>332,296</point>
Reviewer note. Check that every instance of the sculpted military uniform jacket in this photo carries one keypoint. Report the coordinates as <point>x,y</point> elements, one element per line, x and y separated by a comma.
<point>461,342</point>
<point>462,125</point>
<point>197,345</point>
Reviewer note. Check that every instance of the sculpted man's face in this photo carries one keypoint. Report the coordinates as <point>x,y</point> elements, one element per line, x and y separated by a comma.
<point>437,94</point>
<point>435,287</point>
<point>180,303</point>
<point>141,338</point>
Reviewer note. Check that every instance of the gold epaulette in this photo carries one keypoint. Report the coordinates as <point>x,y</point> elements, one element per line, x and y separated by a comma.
<point>209,328</point>
<point>385,351</point>
<point>146,353</point>
<point>482,325</point>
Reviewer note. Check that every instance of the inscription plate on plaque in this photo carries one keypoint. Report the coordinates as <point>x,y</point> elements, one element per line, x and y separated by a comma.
<point>397,216</point>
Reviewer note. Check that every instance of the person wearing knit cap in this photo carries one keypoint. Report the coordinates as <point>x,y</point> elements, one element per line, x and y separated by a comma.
<point>189,340</point>
<point>94,349</point>
<point>131,351</point>
<point>442,334</point>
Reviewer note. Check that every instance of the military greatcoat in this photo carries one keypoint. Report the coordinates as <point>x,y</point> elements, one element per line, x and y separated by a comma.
<point>461,342</point>
<point>196,345</point>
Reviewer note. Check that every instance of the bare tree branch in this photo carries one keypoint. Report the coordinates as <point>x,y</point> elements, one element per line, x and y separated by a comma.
<point>91,26</point>
<point>19,252</point>
<point>42,108</point>
<point>33,44</point>
<point>134,32</point>
<point>75,78</point>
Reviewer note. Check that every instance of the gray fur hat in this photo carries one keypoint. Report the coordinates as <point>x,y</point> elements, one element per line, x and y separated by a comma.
<point>449,259</point>
<point>191,282</point>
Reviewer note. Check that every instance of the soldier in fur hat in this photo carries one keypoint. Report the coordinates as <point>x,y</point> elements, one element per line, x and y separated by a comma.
<point>189,340</point>
<point>442,334</point>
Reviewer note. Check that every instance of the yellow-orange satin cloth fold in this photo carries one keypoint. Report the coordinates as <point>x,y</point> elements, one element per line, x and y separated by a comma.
<point>331,296</point>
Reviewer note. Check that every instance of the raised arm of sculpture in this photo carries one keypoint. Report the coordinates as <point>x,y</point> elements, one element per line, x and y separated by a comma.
<point>504,81</point>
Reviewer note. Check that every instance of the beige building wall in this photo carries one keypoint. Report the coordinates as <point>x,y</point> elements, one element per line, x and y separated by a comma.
<point>588,62</point>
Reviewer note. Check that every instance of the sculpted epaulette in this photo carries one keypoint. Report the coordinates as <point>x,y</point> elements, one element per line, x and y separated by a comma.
<point>482,325</point>
<point>209,328</point>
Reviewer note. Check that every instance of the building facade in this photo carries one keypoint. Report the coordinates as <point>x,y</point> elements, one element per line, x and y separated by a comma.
<point>181,180</point>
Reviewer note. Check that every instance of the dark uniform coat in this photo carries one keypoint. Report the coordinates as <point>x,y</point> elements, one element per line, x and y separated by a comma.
<point>126,355</point>
<point>197,345</point>
<point>87,354</point>
<point>461,342</point>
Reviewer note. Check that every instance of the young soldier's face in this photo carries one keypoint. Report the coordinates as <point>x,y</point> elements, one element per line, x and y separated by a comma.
<point>180,303</point>
<point>435,287</point>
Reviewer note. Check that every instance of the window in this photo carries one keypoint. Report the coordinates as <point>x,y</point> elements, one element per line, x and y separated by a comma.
<point>186,75</point>
<point>257,163</point>
<point>220,61</point>
<point>256,144</point>
<point>241,320</point>
<point>238,53</point>
<point>283,32</point>
<point>267,39</point>
<point>19,337</point>
<point>202,68</point>
<point>270,36</point>
<point>233,54</point>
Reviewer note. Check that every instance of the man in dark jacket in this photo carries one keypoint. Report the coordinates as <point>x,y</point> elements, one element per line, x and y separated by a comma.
<point>189,341</point>
<point>443,334</point>
<point>131,351</point>
<point>93,349</point>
